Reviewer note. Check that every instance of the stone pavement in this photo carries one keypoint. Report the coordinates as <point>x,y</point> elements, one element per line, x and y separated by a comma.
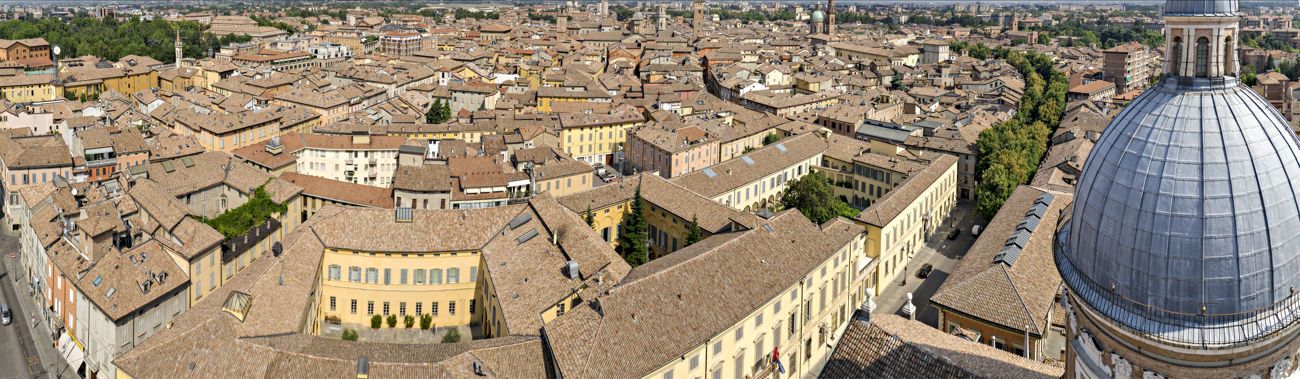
<point>940,252</point>
<point>41,358</point>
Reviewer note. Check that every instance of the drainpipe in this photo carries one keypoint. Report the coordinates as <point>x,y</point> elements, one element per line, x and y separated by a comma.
<point>1027,354</point>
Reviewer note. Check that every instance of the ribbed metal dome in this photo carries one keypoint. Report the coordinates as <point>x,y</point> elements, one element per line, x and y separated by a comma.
<point>818,15</point>
<point>1201,7</point>
<point>1189,200</point>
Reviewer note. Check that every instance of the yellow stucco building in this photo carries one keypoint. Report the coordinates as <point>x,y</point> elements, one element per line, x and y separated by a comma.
<point>475,266</point>
<point>29,88</point>
<point>596,138</point>
<point>899,224</point>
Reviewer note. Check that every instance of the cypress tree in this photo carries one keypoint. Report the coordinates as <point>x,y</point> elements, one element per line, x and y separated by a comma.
<point>632,242</point>
<point>693,232</point>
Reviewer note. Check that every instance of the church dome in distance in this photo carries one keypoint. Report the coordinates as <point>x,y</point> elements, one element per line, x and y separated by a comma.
<point>818,15</point>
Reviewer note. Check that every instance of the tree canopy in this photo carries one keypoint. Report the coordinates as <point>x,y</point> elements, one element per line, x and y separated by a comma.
<point>813,196</point>
<point>113,39</point>
<point>1010,151</point>
<point>235,222</point>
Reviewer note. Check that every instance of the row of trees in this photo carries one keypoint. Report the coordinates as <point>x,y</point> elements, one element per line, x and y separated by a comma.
<point>1010,151</point>
<point>1269,42</point>
<point>462,13</point>
<point>1102,36</point>
<point>633,239</point>
<point>263,21</point>
<point>112,39</point>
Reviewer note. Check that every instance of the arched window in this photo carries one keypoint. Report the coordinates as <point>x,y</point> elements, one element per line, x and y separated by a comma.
<point>1227,56</point>
<point>1176,61</point>
<point>1203,57</point>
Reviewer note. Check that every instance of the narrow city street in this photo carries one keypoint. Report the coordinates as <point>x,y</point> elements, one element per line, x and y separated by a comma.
<point>26,349</point>
<point>943,254</point>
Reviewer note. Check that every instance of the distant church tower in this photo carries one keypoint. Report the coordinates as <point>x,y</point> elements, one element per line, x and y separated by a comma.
<point>178,47</point>
<point>830,17</point>
<point>698,19</point>
<point>662,18</point>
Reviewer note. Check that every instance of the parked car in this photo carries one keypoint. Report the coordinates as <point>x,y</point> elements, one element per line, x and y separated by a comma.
<point>953,234</point>
<point>6,315</point>
<point>924,272</point>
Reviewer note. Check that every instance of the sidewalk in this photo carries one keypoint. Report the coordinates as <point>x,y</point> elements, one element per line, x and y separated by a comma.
<point>944,255</point>
<point>54,365</point>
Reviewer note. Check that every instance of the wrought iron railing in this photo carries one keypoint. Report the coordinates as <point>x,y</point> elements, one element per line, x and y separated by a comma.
<point>1200,330</point>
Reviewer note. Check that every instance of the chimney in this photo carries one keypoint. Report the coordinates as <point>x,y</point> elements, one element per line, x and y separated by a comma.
<point>571,269</point>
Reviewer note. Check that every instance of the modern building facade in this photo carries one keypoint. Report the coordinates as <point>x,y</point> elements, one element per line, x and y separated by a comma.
<point>1126,66</point>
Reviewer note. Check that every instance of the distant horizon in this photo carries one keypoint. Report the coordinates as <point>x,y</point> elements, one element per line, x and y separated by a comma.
<point>481,2</point>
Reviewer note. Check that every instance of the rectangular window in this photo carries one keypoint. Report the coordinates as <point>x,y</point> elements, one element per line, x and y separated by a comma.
<point>332,299</point>
<point>401,308</point>
<point>354,306</point>
<point>472,301</point>
<point>433,308</point>
<point>473,274</point>
<point>354,274</point>
<point>451,308</point>
<point>403,276</point>
<point>385,308</point>
<point>740,365</point>
<point>419,308</point>
<point>388,276</point>
<point>370,307</point>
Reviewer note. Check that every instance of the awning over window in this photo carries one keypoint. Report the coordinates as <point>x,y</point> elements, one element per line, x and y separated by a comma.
<point>70,352</point>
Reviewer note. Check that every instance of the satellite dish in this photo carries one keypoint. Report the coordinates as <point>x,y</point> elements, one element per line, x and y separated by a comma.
<point>57,50</point>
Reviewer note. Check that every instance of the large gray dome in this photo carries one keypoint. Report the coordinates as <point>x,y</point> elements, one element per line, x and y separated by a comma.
<point>1189,200</point>
<point>1201,7</point>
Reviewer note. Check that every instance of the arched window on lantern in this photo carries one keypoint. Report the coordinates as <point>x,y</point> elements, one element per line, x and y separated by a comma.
<point>1202,57</point>
<point>1176,61</point>
<point>1227,57</point>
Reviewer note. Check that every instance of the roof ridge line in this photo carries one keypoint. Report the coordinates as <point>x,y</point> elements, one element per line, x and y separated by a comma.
<point>1015,289</point>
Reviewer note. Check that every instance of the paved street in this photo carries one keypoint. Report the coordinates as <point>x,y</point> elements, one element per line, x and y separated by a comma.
<point>940,252</point>
<point>26,350</point>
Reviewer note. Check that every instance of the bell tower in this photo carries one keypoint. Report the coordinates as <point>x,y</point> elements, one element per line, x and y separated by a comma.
<point>178,47</point>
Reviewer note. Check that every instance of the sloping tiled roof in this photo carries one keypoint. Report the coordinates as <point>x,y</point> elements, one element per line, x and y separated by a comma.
<point>1012,296</point>
<point>896,200</point>
<point>893,347</point>
<point>341,191</point>
<point>767,160</point>
<point>638,324</point>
